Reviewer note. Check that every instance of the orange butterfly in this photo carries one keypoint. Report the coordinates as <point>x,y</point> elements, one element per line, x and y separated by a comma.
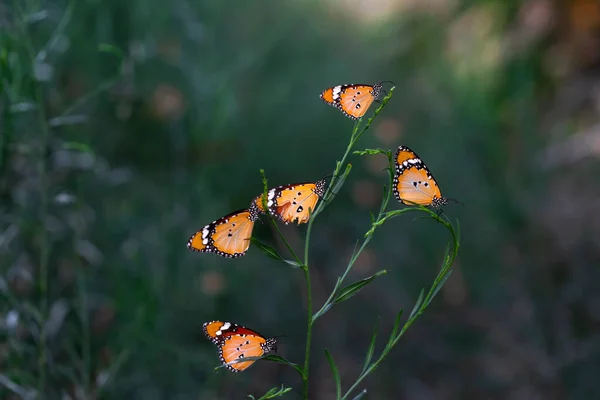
<point>236,342</point>
<point>291,203</point>
<point>352,99</point>
<point>413,183</point>
<point>228,236</point>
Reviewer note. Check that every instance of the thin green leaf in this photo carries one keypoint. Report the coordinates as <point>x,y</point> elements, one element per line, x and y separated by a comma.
<point>371,349</point>
<point>336,374</point>
<point>271,252</point>
<point>360,395</point>
<point>321,312</point>
<point>417,304</point>
<point>84,148</point>
<point>370,152</point>
<point>395,329</point>
<point>109,48</point>
<point>439,286</point>
<point>272,393</point>
<point>341,179</point>
<point>278,359</point>
<point>353,288</point>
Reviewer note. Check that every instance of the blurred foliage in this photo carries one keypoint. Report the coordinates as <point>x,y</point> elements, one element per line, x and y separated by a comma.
<point>109,162</point>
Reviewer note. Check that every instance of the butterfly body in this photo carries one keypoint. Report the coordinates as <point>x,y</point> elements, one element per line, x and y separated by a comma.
<point>413,182</point>
<point>228,236</point>
<point>353,100</point>
<point>236,342</point>
<point>294,202</point>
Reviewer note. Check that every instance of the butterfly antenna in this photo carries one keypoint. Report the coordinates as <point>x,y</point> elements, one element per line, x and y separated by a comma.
<point>392,82</point>
<point>455,201</point>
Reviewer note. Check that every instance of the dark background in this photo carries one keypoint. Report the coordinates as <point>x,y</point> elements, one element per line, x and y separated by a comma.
<point>500,98</point>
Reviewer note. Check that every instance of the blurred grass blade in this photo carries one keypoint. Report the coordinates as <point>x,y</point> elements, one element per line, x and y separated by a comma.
<point>417,304</point>
<point>84,148</point>
<point>336,374</point>
<point>109,48</point>
<point>353,288</point>
<point>67,120</point>
<point>360,395</point>
<point>371,349</point>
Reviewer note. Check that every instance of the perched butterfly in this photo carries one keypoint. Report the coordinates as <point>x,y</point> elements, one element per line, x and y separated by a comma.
<point>413,183</point>
<point>291,203</point>
<point>352,99</point>
<point>228,236</point>
<point>236,342</point>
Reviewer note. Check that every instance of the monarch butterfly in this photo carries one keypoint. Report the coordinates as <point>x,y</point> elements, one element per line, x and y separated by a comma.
<point>291,203</point>
<point>236,342</point>
<point>228,236</point>
<point>413,183</point>
<point>352,99</point>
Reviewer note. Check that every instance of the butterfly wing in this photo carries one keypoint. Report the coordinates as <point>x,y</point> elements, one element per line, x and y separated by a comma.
<point>239,346</point>
<point>228,236</point>
<point>413,183</point>
<point>295,202</point>
<point>236,342</point>
<point>352,99</point>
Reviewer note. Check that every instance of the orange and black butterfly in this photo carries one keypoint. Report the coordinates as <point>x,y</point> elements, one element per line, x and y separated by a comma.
<point>291,203</point>
<point>352,99</point>
<point>236,342</point>
<point>228,236</point>
<point>413,183</point>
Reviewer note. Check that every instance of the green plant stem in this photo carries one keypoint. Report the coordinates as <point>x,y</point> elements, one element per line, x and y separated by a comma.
<point>356,134</point>
<point>448,262</point>
<point>308,332</point>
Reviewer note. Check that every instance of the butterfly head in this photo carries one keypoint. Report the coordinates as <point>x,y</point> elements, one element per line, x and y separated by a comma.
<point>270,346</point>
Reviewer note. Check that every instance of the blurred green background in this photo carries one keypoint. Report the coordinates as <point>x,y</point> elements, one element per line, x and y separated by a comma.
<point>109,163</point>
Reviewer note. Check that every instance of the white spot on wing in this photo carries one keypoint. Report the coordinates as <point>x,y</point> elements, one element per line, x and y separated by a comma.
<point>336,92</point>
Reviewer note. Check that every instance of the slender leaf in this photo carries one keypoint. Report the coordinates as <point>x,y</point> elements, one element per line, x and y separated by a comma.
<point>439,286</point>
<point>360,395</point>
<point>353,288</point>
<point>371,349</point>
<point>336,374</point>
<point>395,329</point>
<point>342,179</point>
<point>417,304</point>
<point>371,152</point>
<point>272,393</point>
<point>321,311</point>
<point>271,252</point>
<point>84,148</point>
<point>109,48</point>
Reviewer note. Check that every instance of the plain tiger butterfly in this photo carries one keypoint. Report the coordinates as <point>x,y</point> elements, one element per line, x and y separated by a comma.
<point>236,342</point>
<point>352,99</point>
<point>294,202</point>
<point>413,183</point>
<point>228,236</point>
